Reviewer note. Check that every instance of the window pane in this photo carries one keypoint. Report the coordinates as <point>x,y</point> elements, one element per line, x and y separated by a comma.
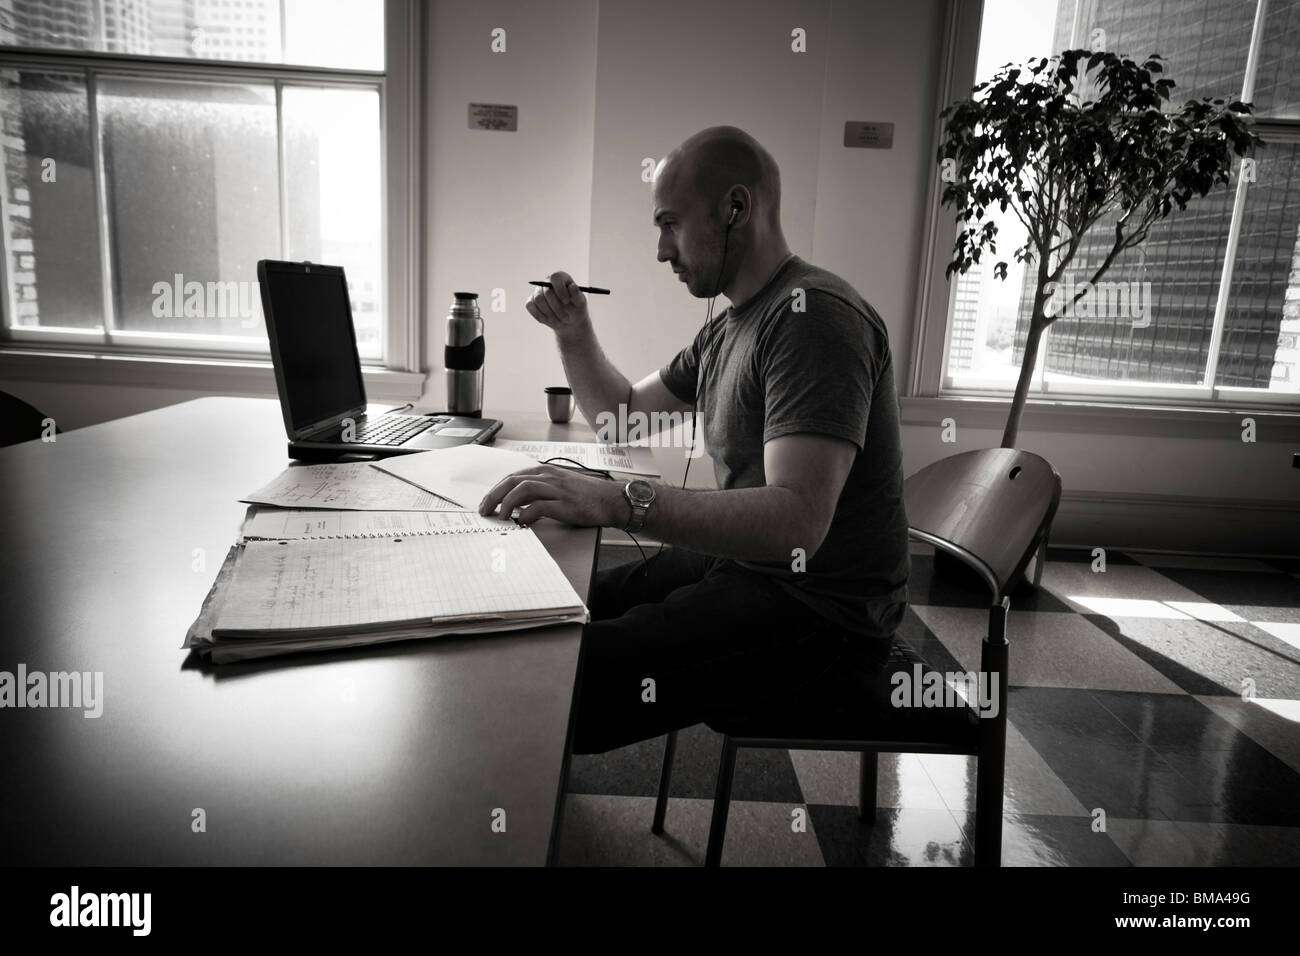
<point>1170,283</point>
<point>985,310</point>
<point>193,202</point>
<point>1263,320</point>
<point>985,313</point>
<point>343,34</point>
<point>1204,43</point>
<point>1277,80</point>
<point>1152,322</point>
<point>334,197</point>
<point>51,239</point>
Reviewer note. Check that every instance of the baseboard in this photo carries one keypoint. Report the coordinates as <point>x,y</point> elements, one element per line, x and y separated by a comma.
<point>1177,524</point>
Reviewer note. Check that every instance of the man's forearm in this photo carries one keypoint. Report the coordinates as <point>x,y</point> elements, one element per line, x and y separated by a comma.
<point>748,524</point>
<point>597,385</point>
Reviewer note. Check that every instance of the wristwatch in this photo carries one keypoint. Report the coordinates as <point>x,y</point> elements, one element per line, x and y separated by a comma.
<point>640,495</point>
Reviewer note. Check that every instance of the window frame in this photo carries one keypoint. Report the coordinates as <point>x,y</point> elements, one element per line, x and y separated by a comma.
<point>936,294</point>
<point>79,355</point>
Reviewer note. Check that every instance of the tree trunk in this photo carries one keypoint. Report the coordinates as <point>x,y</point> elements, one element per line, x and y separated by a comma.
<point>1037,322</point>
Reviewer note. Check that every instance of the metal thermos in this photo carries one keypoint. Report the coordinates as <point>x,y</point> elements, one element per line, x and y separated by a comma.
<point>463,356</point>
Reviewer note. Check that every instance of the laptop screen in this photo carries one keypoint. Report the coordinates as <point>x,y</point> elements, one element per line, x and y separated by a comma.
<point>316,343</point>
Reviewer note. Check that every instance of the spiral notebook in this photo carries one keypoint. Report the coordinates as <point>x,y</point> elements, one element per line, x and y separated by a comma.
<point>320,580</point>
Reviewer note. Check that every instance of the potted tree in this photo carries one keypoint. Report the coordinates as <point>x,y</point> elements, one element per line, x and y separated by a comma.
<point>1023,141</point>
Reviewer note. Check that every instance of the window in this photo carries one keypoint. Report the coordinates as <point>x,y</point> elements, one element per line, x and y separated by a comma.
<point>154,150</point>
<point>1213,296</point>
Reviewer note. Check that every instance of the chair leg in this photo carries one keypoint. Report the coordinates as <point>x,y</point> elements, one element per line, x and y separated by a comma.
<point>868,772</point>
<point>991,774</point>
<point>988,810</point>
<point>665,777</point>
<point>1040,559</point>
<point>721,803</point>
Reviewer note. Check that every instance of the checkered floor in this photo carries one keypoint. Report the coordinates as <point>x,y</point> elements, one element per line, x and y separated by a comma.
<point>1164,693</point>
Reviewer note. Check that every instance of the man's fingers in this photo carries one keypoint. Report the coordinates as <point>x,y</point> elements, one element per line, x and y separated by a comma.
<point>502,488</point>
<point>527,492</point>
<point>543,306</point>
<point>529,514</point>
<point>560,282</point>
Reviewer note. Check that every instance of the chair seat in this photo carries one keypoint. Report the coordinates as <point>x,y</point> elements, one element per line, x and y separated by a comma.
<point>850,706</point>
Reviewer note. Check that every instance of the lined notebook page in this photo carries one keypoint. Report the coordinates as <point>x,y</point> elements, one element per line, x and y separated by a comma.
<point>278,523</point>
<point>338,583</point>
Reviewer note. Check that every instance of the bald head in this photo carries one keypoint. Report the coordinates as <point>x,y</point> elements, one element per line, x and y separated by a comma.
<point>717,206</point>
<point>716,159</point>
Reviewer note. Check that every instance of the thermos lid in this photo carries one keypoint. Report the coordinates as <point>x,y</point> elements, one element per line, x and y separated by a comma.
<point>465,295</point>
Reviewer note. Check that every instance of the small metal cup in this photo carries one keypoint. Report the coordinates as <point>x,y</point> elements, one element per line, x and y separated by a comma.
<point>559,403</point>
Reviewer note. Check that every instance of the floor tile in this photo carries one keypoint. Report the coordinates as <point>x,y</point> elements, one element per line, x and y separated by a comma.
<point>1029,784</point>
<point>634,771</point>
<point>896,837</point>
<point>615,831</point>
<point>1273,724</point>
<point>1152,842</point>
<point>1283,631</point>
<point>1256,597</point>
<point>1047,649</point>
<point>1103,763</point>
<point>1209,658</point>
<point>1242,780</point>
<point>1225,844</point>
<point>1030,839</point>
<point>831,777</point>
<point>1081,588</point>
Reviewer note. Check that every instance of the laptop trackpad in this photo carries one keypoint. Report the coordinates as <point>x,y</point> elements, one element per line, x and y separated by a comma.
<point>444,437</point>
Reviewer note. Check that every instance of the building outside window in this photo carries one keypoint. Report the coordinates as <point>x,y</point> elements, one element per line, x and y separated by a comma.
<point>155,150</point>
<point>1199,302</point>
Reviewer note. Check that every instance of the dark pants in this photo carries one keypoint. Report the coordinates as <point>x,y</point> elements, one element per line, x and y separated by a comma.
<point>689,636</point>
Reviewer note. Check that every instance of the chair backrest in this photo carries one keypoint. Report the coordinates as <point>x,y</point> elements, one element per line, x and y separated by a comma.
<point>989,508</point>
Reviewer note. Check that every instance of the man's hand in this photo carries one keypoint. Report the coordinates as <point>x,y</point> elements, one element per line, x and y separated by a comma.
<point>549,491</point>
<point>561,308</point>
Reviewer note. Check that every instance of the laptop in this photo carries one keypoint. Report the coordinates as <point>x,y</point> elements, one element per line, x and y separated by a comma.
<point>318,374</point>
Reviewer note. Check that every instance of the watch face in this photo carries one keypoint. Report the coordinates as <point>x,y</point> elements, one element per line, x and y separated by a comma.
<point>640,492</point>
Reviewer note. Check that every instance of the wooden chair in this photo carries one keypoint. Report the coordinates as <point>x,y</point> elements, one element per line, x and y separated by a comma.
<point>992,510</point>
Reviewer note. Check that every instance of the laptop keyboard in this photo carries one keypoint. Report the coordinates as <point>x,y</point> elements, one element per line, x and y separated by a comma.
<point>395,429</point>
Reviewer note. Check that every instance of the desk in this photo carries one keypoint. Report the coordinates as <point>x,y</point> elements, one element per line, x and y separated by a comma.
<point>395,755</point>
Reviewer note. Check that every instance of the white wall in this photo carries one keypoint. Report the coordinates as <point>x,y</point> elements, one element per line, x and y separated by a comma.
<point>507,207</point>
<point>667,70</point>
<point>883,67</point>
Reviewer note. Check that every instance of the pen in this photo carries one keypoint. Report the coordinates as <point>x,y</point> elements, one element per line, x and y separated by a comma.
<point>581,288</point>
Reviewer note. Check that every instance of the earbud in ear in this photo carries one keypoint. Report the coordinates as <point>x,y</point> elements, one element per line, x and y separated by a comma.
<point>735,211</point>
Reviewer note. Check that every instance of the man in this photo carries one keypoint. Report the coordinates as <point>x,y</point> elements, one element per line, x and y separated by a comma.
<point>793,574</point>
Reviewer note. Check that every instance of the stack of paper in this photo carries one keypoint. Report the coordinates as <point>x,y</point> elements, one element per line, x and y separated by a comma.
<point>464,575</point>
<point>351,554</point>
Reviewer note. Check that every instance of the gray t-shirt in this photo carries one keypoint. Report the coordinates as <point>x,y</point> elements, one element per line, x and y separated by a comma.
<point>772,369</point>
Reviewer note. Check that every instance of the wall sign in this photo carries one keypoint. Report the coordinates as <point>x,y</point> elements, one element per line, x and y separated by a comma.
<point>869,135</point>
<point>493,116</point>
